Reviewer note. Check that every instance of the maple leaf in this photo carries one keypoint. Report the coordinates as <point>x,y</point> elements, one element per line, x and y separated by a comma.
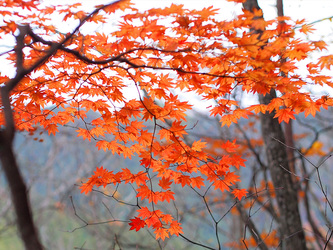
<point>154,221</point>
<point>161,233</point>
<point>259,24</point>
<point>117,5</point>
<point>167,195</point>
<point>320,45</point>
<point>127,152</point>
<point>237,161</point>
<point>127,175</point>
<point>197,182</point>
<point>97,131</point>
<point>137,224</point>
<point>229,146</point>
<point>86,187</point>
<point>228,119</point>
<point>198,145</point>
<point>311,109</point>
<point>165,134</point>
<point>239,193</point>
<point>285,115</point>
<point>165,183</point>
<point>84,133</point>
<point>52,129</point>
<point>101,171</point>
<point>166,218</point>
<point>258,108</point>
<point>221,184</point>
<point>316,149</point>
<point>175,228</point>
<point>178,128</point>
<point>144,192</point>
<point>140,178</point>
<point>144,212</point>
<point>184,180</point>
<point>307,29</point>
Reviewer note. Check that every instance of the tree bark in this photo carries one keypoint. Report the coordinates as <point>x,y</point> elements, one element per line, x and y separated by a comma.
<point>290,224</point>
<point>290,220</point>
<point>288,131</point>
<point>19,195</point>
<point>288,127</point>
<point>15,180</point>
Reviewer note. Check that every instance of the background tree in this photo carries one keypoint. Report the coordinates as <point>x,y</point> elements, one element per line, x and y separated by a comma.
<point>132,78</point>
<point>291,230</point>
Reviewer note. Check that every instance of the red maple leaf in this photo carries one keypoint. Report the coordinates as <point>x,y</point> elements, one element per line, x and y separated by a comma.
<point>137,224</point>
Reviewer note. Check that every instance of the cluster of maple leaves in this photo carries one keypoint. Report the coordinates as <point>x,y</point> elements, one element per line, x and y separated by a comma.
<point>130,75</point>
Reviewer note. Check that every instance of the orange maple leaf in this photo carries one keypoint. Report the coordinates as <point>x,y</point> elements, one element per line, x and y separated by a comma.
<point>144,212</point>
<point>167,195</point>
<point>197,182</point>
<point>86,187</point>
<point>284,115</point>
<point>229,146</point>
<point>165,183</point>
<point>198,145</point>
<point>311,109</point>
<point>175,228</point>
<point>161,233</point>
<point>239,193</point>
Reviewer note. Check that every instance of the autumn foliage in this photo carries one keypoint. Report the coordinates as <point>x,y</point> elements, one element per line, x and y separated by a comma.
<point>135,73</point>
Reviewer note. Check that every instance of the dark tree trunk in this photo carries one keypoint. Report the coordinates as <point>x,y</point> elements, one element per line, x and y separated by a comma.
<point>290,224</point>
<point>288,127</point>
<point>289,134</point>
<point>290,220</point>
<point>19,195</point>
<point>15,180</point>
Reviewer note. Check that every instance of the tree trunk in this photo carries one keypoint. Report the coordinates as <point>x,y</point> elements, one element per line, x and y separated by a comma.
<point>288,127</point>
<point>290,220</point>
<point>290,226</point>
<point>19,195</point>
<point>15,180</point>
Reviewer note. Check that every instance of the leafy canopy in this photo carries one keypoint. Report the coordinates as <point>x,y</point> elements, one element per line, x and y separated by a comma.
<point>131,72</point>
